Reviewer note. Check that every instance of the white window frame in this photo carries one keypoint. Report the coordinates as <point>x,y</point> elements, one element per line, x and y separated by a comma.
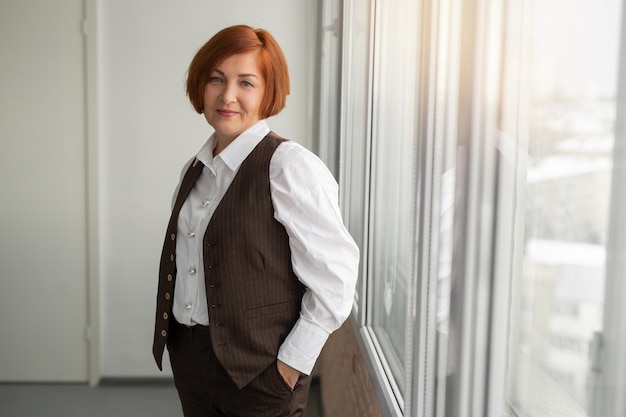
<point>610,356</point>
<point>477,129</point>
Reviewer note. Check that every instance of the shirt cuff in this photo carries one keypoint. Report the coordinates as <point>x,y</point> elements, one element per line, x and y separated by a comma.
<point>303,346</point>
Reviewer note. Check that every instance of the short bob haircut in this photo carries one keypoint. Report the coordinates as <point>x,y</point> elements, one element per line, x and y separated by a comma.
<point>236,40</point>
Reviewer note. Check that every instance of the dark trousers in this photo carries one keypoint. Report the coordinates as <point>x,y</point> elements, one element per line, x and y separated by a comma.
<point>206,390</point>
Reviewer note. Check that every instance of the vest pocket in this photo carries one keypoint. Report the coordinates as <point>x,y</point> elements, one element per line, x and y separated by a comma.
<point>268,310</point>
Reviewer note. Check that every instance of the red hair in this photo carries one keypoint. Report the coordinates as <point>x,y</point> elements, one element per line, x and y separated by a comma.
<point>236,40</point>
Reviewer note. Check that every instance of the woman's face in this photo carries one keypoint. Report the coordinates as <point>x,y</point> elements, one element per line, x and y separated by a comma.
<point>232,97</point>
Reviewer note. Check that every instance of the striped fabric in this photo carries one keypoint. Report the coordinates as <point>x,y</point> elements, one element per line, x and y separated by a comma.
<point>167,268</point>
<point>253,294</point>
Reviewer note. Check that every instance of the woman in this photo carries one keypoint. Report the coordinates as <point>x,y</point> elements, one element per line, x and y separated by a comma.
<point>257,267</point>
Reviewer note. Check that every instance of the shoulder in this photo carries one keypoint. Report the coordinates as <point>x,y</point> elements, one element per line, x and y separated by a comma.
<point>292,155</point>
<point>293,163</point>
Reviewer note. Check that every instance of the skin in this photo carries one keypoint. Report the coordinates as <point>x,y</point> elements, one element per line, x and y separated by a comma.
<point>232,99</point>
<point>289,374</point>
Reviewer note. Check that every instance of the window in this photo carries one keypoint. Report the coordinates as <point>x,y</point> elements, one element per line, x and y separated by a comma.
<point>393,188</point>
<point>378,182</point>
<point>483,143</point>
<point>356,125</point>
<point>328,143</point>
<point>559,287</point>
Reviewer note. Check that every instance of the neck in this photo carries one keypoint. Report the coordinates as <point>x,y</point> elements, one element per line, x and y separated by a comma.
<point>221,143</point>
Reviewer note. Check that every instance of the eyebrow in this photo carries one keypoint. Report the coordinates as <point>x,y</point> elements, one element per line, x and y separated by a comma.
<point>240,75</point>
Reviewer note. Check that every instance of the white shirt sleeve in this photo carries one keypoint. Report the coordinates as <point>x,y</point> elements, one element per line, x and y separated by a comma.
<point>323,254</point>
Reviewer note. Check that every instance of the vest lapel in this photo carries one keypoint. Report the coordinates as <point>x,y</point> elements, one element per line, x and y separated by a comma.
<point>189,180</point>
<point>167,268</point>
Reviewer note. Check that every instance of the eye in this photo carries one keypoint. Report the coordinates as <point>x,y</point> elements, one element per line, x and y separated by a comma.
<point>215,80</point>
<point>246,83</point>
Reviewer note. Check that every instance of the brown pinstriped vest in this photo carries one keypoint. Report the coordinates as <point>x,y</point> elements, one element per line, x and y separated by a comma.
<point>252,292</point>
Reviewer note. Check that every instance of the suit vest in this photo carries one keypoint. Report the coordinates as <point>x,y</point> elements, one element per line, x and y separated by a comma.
<point>253,295</point>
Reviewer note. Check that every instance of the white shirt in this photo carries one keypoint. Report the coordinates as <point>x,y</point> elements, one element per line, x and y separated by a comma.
<point>323,255</point>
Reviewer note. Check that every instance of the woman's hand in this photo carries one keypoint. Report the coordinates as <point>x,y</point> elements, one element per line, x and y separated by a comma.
<point>289,374</point>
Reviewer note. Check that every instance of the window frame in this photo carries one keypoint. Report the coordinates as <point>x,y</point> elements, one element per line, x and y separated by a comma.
<point>378,368</point>
<point>609,353</point>
<point>490,151</point>
<point>479,164</point>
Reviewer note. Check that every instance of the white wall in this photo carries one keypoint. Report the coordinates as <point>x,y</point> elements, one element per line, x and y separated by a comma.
<point>43,308</point>
<point>148,130</point>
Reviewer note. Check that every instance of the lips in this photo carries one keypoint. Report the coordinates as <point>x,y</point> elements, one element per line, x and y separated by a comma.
<point>226,113</point>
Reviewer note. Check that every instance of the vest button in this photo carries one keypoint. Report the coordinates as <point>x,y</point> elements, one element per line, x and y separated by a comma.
<point>165,316</point>
<point>170,277</point>
<point>163,333</point>
<point>167,295</point>
<point>173,236</point>
<point>172,257</point>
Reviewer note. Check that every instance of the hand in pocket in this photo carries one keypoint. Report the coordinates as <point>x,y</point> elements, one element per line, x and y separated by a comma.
<point>290,375</point>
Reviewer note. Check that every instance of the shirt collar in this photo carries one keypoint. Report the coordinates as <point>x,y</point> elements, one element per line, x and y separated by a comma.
<point>238,150</point>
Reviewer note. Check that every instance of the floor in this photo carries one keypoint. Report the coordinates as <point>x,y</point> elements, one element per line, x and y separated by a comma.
<point>136,399</point>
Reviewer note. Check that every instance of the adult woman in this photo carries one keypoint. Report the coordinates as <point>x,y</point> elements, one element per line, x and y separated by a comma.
<point>257,268</point>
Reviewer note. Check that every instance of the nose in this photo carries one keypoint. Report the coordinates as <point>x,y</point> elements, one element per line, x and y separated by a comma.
<point>229,94</point>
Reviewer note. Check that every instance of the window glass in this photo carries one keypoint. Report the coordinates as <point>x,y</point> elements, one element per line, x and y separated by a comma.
<point>392,204</point>
<point>355,119</point>
<point>559,288</point>
<point>330,78</point>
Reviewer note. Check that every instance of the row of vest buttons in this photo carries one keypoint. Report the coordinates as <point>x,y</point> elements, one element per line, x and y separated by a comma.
<point>165,315</point>
<point>163,332</point>
<point>167,294</point>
